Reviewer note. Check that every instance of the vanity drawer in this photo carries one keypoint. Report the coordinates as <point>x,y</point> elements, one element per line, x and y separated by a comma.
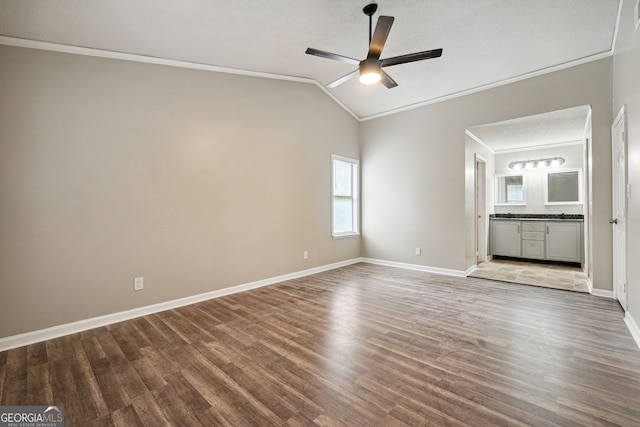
<point>533,235</point>
<point>533,249</point>
<point>532,226</point>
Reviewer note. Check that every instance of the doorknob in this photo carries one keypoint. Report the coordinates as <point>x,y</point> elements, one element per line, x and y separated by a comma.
<point>613,221</point>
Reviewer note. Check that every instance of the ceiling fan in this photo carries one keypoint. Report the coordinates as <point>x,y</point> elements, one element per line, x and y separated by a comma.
<point>370,69</point>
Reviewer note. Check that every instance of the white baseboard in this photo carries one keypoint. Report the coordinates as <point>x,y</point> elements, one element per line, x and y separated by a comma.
<point>633,328</point>
<point>33,337</point>
<point>435,270</point>
<point>601,293</point>
<point>590,285</point>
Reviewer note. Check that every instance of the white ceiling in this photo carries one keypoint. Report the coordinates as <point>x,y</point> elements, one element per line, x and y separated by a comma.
<point>552,128</point>
<point>485,42</point>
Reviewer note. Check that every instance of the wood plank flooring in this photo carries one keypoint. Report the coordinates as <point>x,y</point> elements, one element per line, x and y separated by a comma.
<point>363,345</point>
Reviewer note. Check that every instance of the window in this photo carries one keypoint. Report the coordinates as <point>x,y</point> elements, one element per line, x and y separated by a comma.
<point>344,193</point>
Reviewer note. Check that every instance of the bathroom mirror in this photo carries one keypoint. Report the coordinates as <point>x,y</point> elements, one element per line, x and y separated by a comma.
<point>563,187</point>
<point>510,189</point>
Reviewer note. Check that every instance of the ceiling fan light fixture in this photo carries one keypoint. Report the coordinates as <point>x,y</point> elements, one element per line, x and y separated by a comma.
<point>370,69</point>
<point>370,72</point>
<point>370,78</point>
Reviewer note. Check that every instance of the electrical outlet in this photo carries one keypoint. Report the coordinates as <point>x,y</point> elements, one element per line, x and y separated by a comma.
<point>418,251</point>
<point>138,283</point>
<point>305,255</point>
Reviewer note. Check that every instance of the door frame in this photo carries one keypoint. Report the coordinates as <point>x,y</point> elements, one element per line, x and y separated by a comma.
<point>480,218</point>
<point>619,194</point>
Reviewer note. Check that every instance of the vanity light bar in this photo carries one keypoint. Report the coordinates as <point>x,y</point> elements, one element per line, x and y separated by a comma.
<point>540,163</point>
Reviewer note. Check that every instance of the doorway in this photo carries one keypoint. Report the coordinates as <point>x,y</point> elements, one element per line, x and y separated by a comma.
<point>481,208</point>
<point>537,140</point>
<point>618,218</point>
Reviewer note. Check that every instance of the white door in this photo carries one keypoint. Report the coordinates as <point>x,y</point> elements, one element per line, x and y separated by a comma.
<point>619,220</point>
<point>481,209</point>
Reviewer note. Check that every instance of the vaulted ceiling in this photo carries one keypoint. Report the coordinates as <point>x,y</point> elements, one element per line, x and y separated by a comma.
<point>485,42</point>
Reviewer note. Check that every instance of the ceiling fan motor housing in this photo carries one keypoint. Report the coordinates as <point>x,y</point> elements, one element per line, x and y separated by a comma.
<point>370,71</point>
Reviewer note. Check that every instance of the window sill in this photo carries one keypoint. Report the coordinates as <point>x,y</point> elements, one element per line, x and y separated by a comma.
<point>345,235</point>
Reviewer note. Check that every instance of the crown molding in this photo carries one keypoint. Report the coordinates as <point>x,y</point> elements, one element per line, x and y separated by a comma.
<point>99,53</point>
<point>541,72</point>
<point>56,47</point>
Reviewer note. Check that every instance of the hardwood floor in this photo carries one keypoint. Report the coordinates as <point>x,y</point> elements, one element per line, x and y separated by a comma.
<point>363,345</point>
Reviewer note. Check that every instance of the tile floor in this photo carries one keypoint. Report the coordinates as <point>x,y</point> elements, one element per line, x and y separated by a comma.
<point>549,275</point>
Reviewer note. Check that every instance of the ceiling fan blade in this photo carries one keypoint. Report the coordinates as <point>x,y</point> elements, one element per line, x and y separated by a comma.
<point>386,80</point>
<point>411,57</point>
<point>383,26</point>
<point>342,79</point>
<point>329,55</point>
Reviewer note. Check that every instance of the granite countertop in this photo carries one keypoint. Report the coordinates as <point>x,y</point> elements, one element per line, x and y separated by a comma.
<point>538,217</point>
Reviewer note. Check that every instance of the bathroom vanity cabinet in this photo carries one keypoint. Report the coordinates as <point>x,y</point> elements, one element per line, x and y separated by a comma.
<point>548,239</point>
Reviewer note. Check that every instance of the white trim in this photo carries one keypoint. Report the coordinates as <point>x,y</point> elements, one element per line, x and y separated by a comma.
<point>590,285</point>
<point>541,147</point>
<point>621,114</point>
<point>337,101</point>
<point>545,187</point>
<point>585,132</point>
<point>633,328</point>
<point>20,340</point>
<point>33,337</point>
<point>427,269</point>
<point>479,141</point>
<point>355,195</point>
<point>622,119</point>
<point>602,293</point>
<point>636,14</point>
<point>98,53</point>
<point>55,47</point>
<point>616,28</point>
<point>526,76</point>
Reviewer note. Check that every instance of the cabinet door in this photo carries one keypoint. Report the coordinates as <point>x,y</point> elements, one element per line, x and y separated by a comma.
<point>533,249</point>
<point>505,238</point>
<point>564,241</point>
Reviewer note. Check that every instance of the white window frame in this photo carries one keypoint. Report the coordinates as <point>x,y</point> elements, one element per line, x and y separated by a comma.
<point>355,187</point>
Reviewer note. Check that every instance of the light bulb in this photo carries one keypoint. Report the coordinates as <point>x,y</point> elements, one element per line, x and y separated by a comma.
<point>370,78</point>
<point>370,71</point>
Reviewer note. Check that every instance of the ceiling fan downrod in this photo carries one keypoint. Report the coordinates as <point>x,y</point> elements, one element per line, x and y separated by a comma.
<point>369,10</point>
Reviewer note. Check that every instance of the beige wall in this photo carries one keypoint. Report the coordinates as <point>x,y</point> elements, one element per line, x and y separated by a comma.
<point>415,191</point>
<point>200,181</point>
<point>195,180</point>
<point>626,91</point>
